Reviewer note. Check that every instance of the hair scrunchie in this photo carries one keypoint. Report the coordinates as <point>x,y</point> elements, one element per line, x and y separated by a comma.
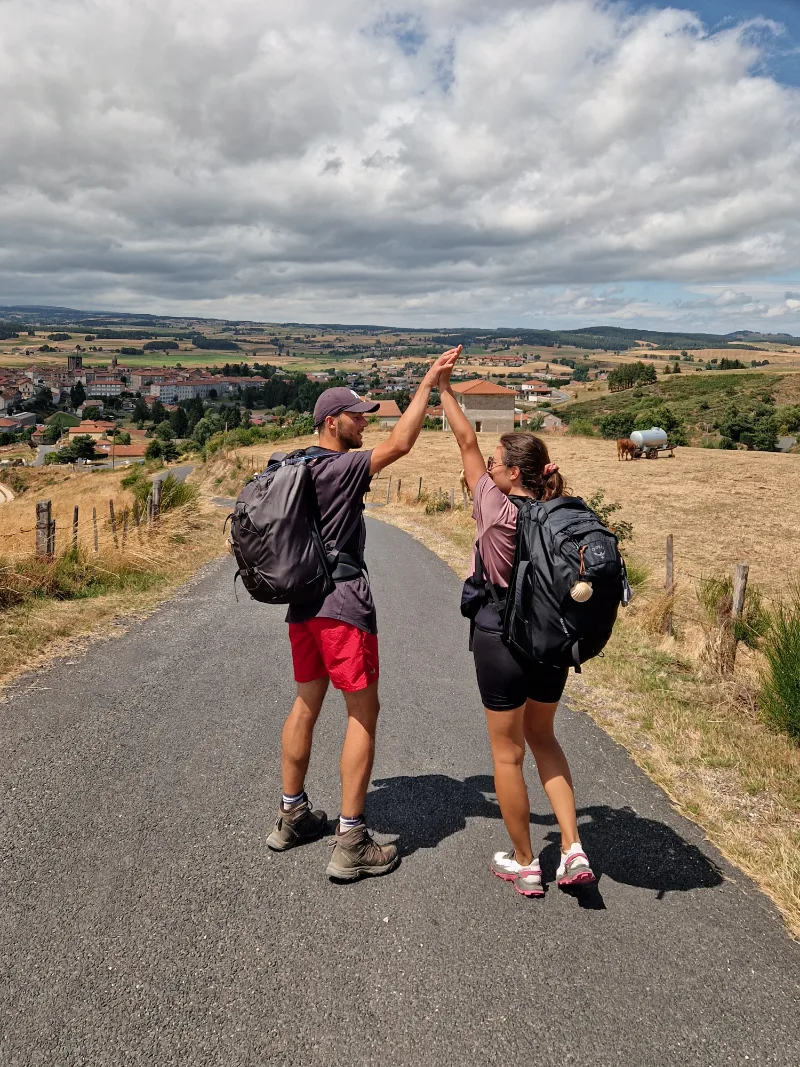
<point>550,468</point>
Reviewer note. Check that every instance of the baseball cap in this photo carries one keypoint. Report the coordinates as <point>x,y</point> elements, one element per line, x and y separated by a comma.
<point>335,401</point>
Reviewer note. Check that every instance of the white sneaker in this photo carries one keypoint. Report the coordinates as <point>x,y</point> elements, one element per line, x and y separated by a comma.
<point>574,868</point>
<point>527,880</point>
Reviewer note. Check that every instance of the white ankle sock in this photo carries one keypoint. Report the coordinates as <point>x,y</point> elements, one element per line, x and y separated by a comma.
<point>348,824</point>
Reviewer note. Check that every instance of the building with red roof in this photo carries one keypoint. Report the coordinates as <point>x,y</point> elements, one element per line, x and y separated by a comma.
<point>488,406</point>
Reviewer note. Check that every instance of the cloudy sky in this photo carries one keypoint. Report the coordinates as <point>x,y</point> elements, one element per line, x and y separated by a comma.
<point>427,162</point>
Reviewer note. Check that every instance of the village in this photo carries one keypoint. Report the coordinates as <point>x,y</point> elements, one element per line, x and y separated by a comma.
<point>48,406</point>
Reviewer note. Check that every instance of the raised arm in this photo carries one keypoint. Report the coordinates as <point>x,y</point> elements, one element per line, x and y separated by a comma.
<point>401,440</point>
<point>471,457</point>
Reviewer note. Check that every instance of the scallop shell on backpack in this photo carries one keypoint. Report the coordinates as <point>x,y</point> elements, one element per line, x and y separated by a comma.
<point>581,591</point>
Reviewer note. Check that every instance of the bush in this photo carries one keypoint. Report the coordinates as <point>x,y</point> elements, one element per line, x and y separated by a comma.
<point>715,594</point>
<point>582,428</point>
<point>174,494</point>
<point>436,502</point>
<point>638,573</point>
<point>604,512</point>
<point>74,575</point>
<point>780,685</point>
<point>620,424</point>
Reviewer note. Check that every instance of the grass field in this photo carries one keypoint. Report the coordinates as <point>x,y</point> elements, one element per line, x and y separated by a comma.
<point>137,574</point>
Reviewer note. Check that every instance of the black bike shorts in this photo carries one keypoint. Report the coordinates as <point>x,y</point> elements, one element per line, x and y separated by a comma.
<point>506,683</point>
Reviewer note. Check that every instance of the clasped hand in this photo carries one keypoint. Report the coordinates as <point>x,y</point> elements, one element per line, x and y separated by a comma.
<point>442,367</point>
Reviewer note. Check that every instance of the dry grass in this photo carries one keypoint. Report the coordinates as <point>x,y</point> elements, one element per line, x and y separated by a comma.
<point>721,507</point>
<point>699,737</point>
<point>120,579</point>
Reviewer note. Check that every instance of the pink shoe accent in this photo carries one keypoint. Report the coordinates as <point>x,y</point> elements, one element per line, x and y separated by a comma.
<point>506,877</point>
<point>537,892</point>
<point>580,878</point>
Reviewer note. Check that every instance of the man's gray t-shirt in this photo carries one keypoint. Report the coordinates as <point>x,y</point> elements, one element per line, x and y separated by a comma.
<point>341,480</point>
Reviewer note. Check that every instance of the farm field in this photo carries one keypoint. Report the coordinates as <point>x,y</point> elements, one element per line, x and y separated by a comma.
<point>721,507</point>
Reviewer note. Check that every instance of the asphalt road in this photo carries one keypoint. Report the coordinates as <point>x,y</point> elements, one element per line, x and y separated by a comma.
<point>145,922</point>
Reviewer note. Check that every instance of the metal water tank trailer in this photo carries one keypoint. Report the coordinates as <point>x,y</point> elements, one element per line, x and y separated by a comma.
<point>655,437</point>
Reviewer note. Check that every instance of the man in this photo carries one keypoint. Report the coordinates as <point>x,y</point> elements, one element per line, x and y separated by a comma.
<point>336,641</point>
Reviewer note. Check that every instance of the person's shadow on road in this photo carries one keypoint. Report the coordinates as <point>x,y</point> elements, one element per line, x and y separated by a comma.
<point>425,809</point>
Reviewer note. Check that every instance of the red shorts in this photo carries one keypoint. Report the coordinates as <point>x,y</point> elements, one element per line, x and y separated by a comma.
<point>338,650</point>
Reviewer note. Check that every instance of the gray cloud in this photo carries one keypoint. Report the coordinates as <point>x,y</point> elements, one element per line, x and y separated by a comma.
<point>457,159</point>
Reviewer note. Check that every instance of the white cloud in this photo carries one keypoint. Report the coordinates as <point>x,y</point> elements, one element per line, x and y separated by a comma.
<point>450,161</point>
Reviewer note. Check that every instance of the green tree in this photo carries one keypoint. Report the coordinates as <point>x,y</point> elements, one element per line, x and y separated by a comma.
<point>619,424</point>
<point>43,400</point>
<point>77,395</point>
<point>169,451</point>
<point>154,449</point>
<point>158,413</point>
<point>91,412</point>
<point>52,433</point>
<point>141,412</point>
<point>83,446</point>
<point>207,427</point>
<point>626,375</point>
<point>164,431</point>
<point>179,421</point>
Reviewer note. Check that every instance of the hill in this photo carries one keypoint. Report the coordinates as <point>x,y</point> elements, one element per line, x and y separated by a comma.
<point>604,338</point>
<point>699,404</point>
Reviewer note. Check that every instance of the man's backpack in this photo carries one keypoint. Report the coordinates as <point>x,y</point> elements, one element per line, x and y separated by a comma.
<point>567,584</point>
<point>276,537</point>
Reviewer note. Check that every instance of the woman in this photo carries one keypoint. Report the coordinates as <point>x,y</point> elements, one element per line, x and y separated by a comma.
<point>520,698</point>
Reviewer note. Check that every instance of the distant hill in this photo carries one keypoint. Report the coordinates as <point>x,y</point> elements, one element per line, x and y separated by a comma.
<point>697,403</point>
<point>607,338</point>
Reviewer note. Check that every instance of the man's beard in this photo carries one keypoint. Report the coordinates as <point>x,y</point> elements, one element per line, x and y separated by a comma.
<point>349,438</point>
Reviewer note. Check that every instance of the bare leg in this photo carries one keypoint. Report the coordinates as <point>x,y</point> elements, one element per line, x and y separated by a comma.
<point>507,739</point>
<point>298,732</point>
<point>553,768</point>
<point>358,751</point>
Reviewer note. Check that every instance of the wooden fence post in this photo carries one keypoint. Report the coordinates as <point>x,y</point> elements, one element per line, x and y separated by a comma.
<point>43,520</point>
<point>729,638</point>
<point>149,511</point>
<point>75,529</point>
<point>399,484</point>
<point>94,525</point>
<point>388,488</point>
<point>419,490</point>
<point>113,523</point>
<point>157,499</point>
<point>669,585</point>
<point>51,539</point>
<point>124,528</point>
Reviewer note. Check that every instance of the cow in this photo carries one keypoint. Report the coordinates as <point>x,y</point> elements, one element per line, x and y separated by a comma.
<point>625,448</point>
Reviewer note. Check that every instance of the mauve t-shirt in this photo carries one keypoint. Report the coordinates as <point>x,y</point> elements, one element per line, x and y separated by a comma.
<point>496,520</point>
<point>341,480</point>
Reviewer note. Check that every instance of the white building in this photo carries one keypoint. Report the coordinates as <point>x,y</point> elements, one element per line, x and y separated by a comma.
<point>173,391</point>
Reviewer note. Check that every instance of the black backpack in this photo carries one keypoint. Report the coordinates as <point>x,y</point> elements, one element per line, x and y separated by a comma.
<point>567,584</point>
<point>276,537</point>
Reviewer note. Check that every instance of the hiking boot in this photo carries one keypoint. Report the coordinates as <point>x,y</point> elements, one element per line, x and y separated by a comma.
<point>297,826</point>
<point>356,855</point>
